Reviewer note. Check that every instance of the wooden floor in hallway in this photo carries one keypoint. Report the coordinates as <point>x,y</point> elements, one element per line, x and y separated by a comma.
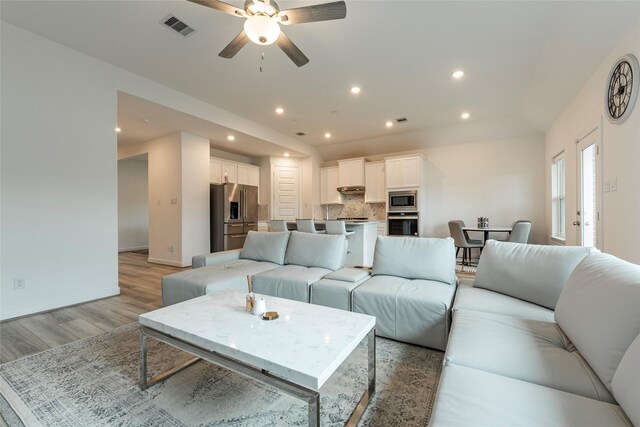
<point>140,292</point>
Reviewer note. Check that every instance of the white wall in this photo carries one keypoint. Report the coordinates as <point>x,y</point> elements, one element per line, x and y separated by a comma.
<point>501,179</point>
<point>133,212</point>
<point>59,176</point>
<point>195,197</point>
<point>178,196</point>
<point>59,169</point>
<point>620,159</point>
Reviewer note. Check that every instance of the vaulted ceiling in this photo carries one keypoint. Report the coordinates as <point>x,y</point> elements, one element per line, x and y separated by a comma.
<point>523,61</point>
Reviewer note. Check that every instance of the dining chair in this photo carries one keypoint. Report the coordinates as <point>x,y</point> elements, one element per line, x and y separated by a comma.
<point>306,225</point>
<point>279,225</point>
<point>520,231</point>
<point>462,241</point>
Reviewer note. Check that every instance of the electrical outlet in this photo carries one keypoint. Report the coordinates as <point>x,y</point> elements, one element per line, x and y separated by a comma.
<point>174,201</point>
<point>19,283</point>
<point>171,248</point>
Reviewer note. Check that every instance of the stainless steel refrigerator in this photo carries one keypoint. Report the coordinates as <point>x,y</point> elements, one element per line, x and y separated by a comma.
<point>234,212</point>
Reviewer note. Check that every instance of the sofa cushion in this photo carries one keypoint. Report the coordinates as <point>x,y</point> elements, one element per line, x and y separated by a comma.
<point>349,274</point>
<point>413,311</point>
<point>250,267</point>
<point>470,397</point>
<point>483,300</point>
<point>534,273</point>
<point>188,284</point>
<point>416,258</point>
<point>291,281</point>
<point>626,382</point>
<point>316,250</point>
<point>261,246</point>
<point>599,311</point>
<point>333,293</point>
<point>528,350</point>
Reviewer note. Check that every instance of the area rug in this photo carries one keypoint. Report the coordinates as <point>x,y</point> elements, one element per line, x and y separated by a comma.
<point>94,382</point>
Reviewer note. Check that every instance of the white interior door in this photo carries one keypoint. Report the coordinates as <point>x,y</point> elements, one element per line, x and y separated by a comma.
<point>285,192</point>
<point>589,214</point>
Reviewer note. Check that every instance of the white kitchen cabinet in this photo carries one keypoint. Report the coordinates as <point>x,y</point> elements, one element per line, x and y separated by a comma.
<point>329,183</point>
<point>403,172</point>
<point>374,183</point>
<point>248,175</point>
<point>231,171</point>
<point>215,170</point>
<point>351,172</point>
<point>382,228</point>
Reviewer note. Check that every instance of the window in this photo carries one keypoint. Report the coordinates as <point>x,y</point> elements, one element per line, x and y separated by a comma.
<point>558,196</point>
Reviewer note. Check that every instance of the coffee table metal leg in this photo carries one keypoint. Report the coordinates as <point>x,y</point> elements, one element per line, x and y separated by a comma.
<point>314,410</point>
<point>372,362</point>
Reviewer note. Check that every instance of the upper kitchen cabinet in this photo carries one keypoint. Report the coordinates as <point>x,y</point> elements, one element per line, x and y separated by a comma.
<point>402,172</point>
<point>230,170</point>
<point>215,170</point>
<point>374,183</point>
<point>351,172</point>
<point>329,182</point>
<point>248,175</point>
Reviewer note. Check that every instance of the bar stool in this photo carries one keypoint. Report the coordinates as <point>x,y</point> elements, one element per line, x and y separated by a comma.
<point>339,227</point>
<point>307,225</point>
<point>279,225</point>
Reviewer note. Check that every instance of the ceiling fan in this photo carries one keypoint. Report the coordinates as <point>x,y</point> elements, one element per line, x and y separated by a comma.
<point>263,19</point>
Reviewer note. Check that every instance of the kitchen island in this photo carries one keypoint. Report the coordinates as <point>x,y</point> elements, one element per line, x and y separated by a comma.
<point>361,244</point>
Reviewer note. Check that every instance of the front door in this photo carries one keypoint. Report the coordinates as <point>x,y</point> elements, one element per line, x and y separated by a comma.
<point>589,216</point>
<point>285,193</point>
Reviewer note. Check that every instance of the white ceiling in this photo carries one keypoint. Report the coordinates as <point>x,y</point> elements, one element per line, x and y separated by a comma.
<point>142,120</point>
<point>524,61</point>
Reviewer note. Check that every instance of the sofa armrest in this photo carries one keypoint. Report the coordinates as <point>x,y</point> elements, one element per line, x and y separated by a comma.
<point>205,260</point>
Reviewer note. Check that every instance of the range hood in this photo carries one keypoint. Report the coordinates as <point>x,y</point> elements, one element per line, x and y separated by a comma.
<point>356,189</point>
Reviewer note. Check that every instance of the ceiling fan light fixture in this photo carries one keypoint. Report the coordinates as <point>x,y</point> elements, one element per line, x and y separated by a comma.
<point>262,29</point>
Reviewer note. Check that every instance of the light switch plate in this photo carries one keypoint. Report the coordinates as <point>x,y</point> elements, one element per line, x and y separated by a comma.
<point>614,184</point>
<point>607,186</point>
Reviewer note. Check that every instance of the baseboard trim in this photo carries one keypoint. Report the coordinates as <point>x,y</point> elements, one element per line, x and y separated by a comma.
<point>168,262</point>
<point>57,303</point>
<point>133,248</point>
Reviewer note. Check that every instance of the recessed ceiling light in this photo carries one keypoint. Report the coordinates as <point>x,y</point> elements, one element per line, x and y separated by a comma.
<point>118,129</point>
<point>231,138</point>
<point>355,90</point>
<point>457,74</point>
<point>279,110</point>
<point>146,120</point>
<point>465,116</point>
<point>327,135</point>
<point>286,154</point>
<point>389,124</point>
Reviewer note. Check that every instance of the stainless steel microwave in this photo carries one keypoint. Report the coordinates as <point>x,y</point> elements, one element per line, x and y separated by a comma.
<point>403,201</point>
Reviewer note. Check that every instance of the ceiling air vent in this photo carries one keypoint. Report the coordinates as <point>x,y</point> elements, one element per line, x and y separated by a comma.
<point>177,25</point>
<point>401,120</point>
<point>300,133</point>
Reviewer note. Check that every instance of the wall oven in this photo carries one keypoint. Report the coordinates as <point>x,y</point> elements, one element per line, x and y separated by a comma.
<point>403,223</point>
<point>402,201</point>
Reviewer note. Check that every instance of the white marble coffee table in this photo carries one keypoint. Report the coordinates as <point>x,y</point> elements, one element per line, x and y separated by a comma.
<point>297,353</point>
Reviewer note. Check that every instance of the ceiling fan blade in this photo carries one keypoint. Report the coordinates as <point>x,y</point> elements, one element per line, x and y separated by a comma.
<point>291,50</point>
<point>221,6</point>
<point>318,12</point>
<point>235,45</point>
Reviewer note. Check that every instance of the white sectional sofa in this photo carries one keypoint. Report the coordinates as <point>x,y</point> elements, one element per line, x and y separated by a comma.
<point>544,336</point>
<point>411,291</point>
<point>282,264</point>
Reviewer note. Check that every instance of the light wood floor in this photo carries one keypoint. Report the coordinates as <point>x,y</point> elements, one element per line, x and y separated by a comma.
<point>139,292</point>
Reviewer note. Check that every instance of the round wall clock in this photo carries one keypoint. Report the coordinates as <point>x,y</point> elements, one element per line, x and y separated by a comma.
<point>622,89</point>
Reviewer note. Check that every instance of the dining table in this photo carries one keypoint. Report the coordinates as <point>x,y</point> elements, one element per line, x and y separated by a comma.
<point>487,230</point>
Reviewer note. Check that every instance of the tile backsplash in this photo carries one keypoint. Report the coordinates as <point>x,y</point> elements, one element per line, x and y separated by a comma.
<point>353,207</point>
